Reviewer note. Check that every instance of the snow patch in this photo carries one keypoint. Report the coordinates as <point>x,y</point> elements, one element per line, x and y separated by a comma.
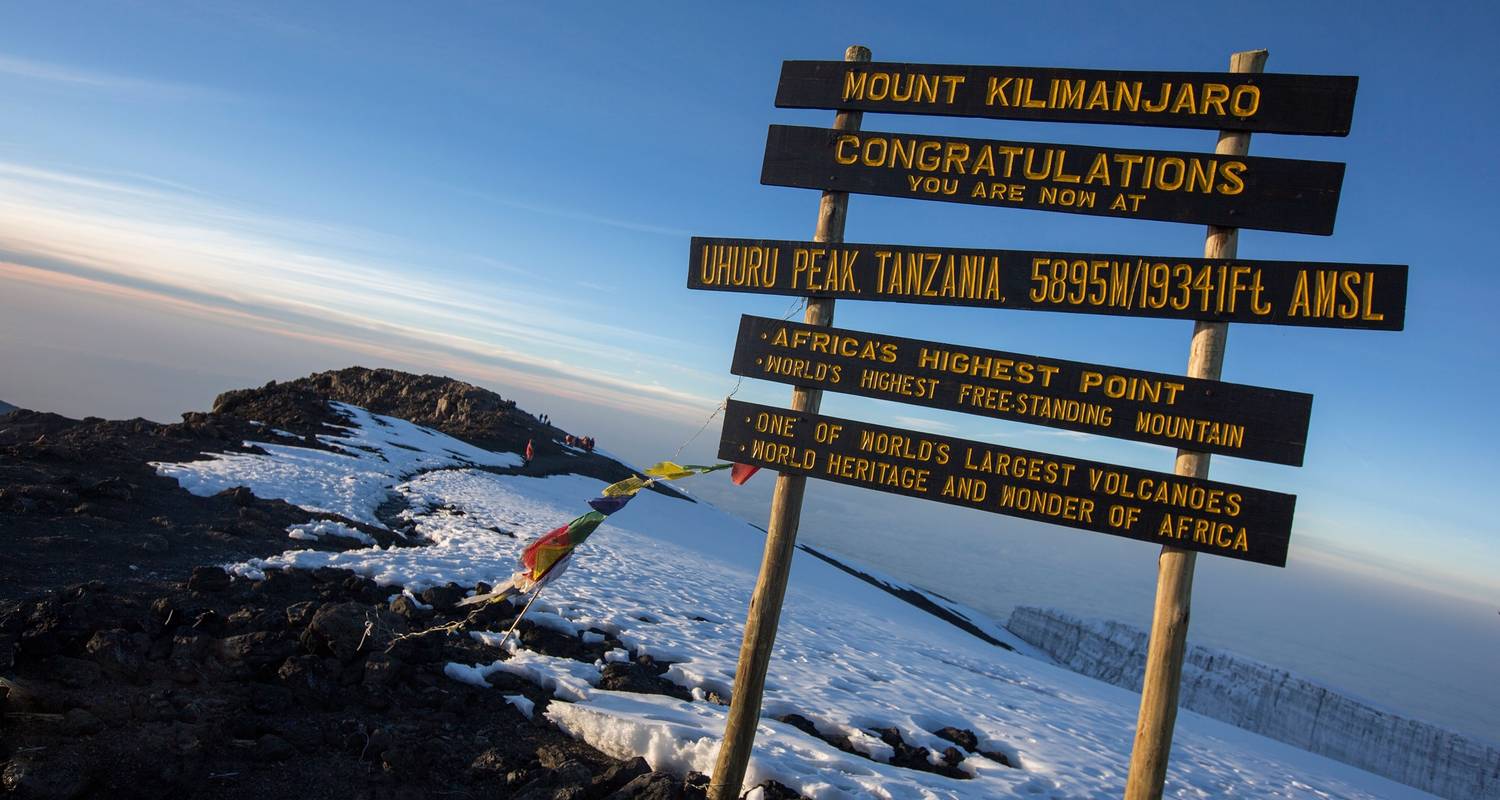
<point>313,531</point>
<point>672,579</point>
<point>523,704</point>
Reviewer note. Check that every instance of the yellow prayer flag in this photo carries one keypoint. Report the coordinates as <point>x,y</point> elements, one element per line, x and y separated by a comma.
<point>625,488</point>
<point>666,470</point>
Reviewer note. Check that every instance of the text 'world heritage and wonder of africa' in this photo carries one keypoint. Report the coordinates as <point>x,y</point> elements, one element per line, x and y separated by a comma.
<point>1218,518</point>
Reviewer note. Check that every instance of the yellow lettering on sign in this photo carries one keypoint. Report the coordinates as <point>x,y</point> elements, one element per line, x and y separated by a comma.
<point>824,269</point>
<point>1048,504</point>
<point>1232,184</point>
<point>1166,491</point>
<point>1087,94</point>
<point>1222,535</point>
<point>1068,94</point>
<point>1334,294</point>
<point>1023,467</point>
<point>1130,387</point>
<point>783,454</point>
<point>1189,430</point>
<point>1068,198</point>
<point>1214,95</point>
<point>868,470</point>
<point>995,94</point>
<point>738,265</point>
<point>911,448</point>
<point>900,86</point>
<point>775,424</point>
<point>841,151</point>
<point>1205,175</point>
<point>972,489</point>
<point>897,383</point>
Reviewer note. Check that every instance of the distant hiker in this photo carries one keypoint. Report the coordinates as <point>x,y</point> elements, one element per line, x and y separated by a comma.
<point>530,453</point>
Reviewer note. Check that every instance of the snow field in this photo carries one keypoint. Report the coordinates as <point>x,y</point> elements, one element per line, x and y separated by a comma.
<point>671,579</point>
<point>352,481</point>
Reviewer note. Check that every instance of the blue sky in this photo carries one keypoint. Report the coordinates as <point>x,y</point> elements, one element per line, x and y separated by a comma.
<point>199,196</point>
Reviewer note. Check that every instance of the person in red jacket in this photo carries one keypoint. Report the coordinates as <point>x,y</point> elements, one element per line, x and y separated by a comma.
<point>529,452</point>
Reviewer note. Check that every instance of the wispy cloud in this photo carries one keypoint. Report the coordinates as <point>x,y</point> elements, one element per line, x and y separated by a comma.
<point>572,214</point>
<point>1011,434</point>
<point>60,74</point>
<point>149,243</point>
<point>925,424</point>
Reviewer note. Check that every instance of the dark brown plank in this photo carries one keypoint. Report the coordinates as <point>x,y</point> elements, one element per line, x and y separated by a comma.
<point>1301,293</point>
<point>1276,194</point>
<point>1200,415</point>
<point>1268,103</point>
<point>1157,507</point>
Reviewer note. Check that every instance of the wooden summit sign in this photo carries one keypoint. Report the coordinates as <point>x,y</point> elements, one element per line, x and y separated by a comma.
<point>1270,103</point>
<point>1232,191</point>
<point>1227,189</point>
<point>1209,416</point>
<point>1306,293</point>
<point>1190,513</point>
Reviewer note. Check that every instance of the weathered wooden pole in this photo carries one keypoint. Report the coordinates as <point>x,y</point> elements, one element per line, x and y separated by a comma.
<point>1174,581</point>
<point>781,532</point>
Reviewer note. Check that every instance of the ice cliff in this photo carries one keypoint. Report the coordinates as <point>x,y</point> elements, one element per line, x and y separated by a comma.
<point>1277,704</point>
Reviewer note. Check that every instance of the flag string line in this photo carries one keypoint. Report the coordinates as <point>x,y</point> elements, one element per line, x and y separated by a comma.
<point>548,555</point>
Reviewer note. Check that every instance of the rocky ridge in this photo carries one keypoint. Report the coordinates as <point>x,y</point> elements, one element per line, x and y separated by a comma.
<point>132,667</point>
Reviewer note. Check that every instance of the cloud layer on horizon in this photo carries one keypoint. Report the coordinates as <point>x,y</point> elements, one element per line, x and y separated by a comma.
<point>151,243</point>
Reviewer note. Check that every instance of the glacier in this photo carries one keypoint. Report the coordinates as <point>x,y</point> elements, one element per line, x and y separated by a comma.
<point>1276,703</point>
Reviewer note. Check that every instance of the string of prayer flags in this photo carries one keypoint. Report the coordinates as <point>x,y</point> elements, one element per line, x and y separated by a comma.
<point>547,556</point>
<point>551,548</point>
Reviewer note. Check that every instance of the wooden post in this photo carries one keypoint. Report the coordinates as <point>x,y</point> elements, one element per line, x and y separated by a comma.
<point>1174,581</point>
<point>781,533</point>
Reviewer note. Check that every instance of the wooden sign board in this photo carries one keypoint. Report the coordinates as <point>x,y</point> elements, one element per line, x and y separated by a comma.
<point>1199,415</point>
<point>1313,294</point>
<point>1308,104</point>
<point>1195,514</point>
<point>1274,194</point>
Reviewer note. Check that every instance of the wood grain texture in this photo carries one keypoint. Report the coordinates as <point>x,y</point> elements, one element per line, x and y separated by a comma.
<point>1172,611</point>
<point>764,615</point>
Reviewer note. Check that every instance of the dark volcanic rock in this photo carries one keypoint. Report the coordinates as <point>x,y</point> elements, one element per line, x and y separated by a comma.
<point>135,669</point>
<point>348,630</point>
<point>621,676</point>
<point>651,786</point>
<point>911,757</point>
<point>442,598</point>
<point>218,707</point>
<point>208,579</point>
<point>618,775</point>
<point>462,410</point>
<point>964,738</point>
